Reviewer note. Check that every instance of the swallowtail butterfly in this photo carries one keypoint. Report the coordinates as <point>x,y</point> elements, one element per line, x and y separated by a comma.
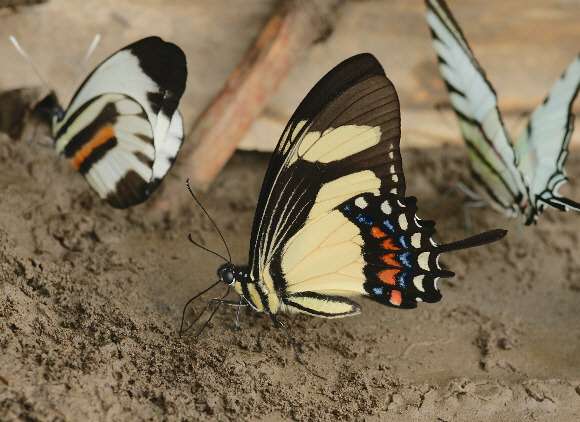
<point>122,130</point>
<point>520,177</point>
<point>332,220</point>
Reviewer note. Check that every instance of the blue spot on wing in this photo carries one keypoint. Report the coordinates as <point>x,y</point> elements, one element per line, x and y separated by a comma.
<point>346,209</point>
<point>389,226</point>
<point>365,219</point>
<point>406,259</point>
<point>403,279</point>
<point>378,291</point>
<point>403,242</point>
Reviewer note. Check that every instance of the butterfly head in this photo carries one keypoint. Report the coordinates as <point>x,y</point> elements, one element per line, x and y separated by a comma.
<point>227,273</point>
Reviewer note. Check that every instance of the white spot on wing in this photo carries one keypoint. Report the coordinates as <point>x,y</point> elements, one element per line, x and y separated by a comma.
<point>416,240</point>
<point>418,282</point>
<point>403,222</point>
<point>424,260</point>
<point>361,202</point>
<point>386,208</point>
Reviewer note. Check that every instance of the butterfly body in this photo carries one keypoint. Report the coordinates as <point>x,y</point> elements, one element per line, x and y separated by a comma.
<point>520,177</point>
<point>122,130</point>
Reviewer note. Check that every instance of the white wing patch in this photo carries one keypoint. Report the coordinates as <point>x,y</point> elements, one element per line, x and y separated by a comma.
<point>122,74</point>
<point>165,154</point>
<point>336,144</point>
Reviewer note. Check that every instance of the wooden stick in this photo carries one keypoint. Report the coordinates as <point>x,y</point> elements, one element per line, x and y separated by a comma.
<point>282,43</point>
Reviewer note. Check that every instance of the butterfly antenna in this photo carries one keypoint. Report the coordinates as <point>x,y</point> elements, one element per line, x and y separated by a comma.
<point>205,249</point>
<point>235,330</point>
<point>277,321</point>
<point>181,330</point>
<point>210,219</point>
<point>91,49</point>
<point>23,54</point>
<point>88,54</point>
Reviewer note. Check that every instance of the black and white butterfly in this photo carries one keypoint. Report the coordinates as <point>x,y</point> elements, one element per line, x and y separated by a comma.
<point>332,220</point>
<point>519,177</point>
<point>122,130</point>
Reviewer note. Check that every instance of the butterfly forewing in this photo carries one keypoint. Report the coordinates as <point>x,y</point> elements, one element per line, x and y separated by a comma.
<point>492,157</point>
<point>122,130</point>
<point>337,144</point>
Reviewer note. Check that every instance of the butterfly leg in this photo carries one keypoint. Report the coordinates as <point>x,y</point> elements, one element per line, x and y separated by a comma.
<point>51,177</point>
<point>181,330</point>
<point>219,302</point>
<point>239,305</point>
<point>519,227</point>
<point>277,321</point>
<point>459,185</point>
<point>466,207</point>
<point>31,145</point>
<point>469,192</point>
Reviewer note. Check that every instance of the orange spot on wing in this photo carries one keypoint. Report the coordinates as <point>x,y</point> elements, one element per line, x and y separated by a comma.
<point>99,139</point>
<point>388,276</point>
<point>390,260</point>
<point>396,297</point>
<point>388,244</point>
<point>378,233</point>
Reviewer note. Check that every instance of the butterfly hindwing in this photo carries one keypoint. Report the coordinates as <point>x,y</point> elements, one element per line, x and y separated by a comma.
<point>122,130</point>
<point>371,245</point>
<point>401,261</point>
<point>543,145</point>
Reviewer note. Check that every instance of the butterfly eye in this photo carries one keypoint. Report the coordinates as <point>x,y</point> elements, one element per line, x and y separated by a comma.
<point>227,276</point>
<point>58,114</point>
<point>226,273</point>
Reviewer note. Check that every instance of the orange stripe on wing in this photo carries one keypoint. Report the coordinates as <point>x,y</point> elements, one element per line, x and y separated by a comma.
<point>378,233</point>
<point>389,245</point>
<point>390,260</point>
<point>388,276</point>
<point>99,139</point>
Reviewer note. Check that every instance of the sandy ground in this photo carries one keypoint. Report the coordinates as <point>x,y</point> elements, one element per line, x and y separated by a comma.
<point>91,300</point>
